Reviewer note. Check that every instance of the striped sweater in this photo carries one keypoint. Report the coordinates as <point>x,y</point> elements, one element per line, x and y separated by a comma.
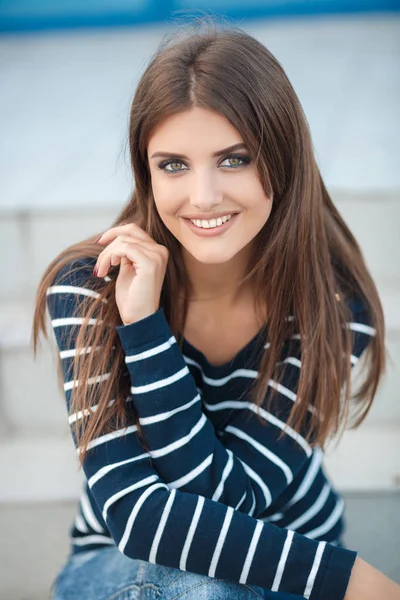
<point>217,493</point>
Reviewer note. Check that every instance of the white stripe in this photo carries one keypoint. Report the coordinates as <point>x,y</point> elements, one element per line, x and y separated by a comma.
<point>222,381</point>
<point>262,485</point>
<point>182,441</point>
<point>253,506</point>
<point>362,328</point>
<point>126,491</point>
<point>109,436</point>
<point>291,360</point>
<point>314,570</point>
<point>249,373</point>
<point>282,562</point>
<point>288,393</point>
<point>353,359</point>
<point>134,513</point>
<point>156,385</point>
<point>74,351</point>
<point>104,470</point>
<point>74,383</point>
<point>168,414</point>
<point>73,321</point>
<point>283,390</point>
<point>263,450</point>
<point>80,524</point>
<point>87,411</point>
<point>192,474</point>
<point>220,543</point>
<point>191,532</point>
<point>71,289</point>
<point>152,352</point>
<point>237,404</point>
<point>309,478</point>
<point>228,468</point>
<point>144,420</point>
<point>93,539</point>
<point>251,551</point>
<point>274,517</point>
<point>313,510</point>
<point>89,515</point>
<point>161,527</point>
<point>241,501</point>
<point>329,523</point>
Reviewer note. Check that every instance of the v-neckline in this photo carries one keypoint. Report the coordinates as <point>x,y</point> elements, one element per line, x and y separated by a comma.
<point>193,352</point>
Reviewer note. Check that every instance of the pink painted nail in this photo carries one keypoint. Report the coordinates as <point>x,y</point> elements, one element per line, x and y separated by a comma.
<point>95,271</point>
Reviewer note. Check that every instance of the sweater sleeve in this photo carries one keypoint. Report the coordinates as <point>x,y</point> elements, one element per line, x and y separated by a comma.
<point>243,465</point>
<point>151,520</point>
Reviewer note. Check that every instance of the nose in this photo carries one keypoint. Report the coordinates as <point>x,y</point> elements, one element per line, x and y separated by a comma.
<point>205,194</point>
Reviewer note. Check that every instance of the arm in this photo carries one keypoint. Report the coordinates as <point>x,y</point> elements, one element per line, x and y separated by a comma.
<point>149,520</point>
<point>367,583</point>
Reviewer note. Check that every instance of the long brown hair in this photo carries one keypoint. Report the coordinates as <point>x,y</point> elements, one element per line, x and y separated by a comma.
<point>305,258</point>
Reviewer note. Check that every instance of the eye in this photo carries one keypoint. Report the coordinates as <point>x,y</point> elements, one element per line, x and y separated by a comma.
<point>239,160</point>
<point>171,162</point>
<point>237,157</point>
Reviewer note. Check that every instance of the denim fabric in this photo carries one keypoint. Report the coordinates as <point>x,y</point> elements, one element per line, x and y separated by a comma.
<point>106,574</point>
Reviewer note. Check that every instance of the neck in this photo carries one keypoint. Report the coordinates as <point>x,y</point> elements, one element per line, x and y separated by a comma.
<point>220,282</point>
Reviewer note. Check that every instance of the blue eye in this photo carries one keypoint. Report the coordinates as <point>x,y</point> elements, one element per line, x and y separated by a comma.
<point>174,161</point>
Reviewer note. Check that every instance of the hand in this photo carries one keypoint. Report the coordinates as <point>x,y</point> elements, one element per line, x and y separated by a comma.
<point>143,264</point>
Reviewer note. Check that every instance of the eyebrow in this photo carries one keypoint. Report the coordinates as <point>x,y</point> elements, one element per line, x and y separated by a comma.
<point>215,154</point>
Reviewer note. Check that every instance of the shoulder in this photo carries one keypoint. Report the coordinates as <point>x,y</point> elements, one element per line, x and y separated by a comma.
<point>71,284</point>
<point>359,314</point>
<point>79,270</point>
<point>361,325</point>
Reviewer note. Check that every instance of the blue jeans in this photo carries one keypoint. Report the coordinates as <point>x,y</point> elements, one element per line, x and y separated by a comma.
<point>106,574</point>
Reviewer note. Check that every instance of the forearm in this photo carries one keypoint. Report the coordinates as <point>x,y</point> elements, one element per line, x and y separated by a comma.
<point>367,583</point>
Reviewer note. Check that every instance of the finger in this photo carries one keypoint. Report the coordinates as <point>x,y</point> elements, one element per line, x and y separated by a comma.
<point>113,256</point>
<point>130,240</point>
<point>124,240</point>
<point>121,242</point>
<point>126,229</point>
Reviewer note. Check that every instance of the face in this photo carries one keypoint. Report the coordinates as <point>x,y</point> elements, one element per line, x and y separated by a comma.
<point>192,178</point>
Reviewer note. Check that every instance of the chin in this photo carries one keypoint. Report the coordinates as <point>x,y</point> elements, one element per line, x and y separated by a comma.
<point>211,257</point>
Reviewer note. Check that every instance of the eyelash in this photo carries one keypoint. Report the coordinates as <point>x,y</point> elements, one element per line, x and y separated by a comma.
<point>245,159</point>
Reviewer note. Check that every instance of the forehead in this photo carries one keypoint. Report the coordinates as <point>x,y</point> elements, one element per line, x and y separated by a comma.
<point>197,128</point>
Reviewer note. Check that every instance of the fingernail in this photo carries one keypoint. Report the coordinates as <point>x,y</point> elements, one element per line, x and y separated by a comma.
<point>95,270</point>
<point>97,239</point>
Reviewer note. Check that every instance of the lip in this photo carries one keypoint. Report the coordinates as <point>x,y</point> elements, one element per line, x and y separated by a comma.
<point>214,231</point>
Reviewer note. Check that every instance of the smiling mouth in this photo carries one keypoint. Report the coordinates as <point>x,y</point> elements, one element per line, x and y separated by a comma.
<point>213,230</point>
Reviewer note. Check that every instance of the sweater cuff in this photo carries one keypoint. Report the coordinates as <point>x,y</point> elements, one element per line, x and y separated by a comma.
<point>145,331</point>
<point>337,574</point>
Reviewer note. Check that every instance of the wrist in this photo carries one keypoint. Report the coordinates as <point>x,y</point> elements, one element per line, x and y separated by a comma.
<point>129,320</point>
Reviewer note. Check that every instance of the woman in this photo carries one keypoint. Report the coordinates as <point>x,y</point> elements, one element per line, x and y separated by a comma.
<point>201,343</point>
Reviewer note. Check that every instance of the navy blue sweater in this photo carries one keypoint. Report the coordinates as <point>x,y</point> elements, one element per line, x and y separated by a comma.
<point>217,494</point>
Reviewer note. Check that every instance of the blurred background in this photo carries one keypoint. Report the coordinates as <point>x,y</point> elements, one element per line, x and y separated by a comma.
<point>68,71</point>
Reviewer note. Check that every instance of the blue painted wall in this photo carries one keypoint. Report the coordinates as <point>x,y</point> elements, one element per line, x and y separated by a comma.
<point>39,15</point>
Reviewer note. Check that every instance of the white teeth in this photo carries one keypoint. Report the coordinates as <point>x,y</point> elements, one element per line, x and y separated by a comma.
<point>210,224</point>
